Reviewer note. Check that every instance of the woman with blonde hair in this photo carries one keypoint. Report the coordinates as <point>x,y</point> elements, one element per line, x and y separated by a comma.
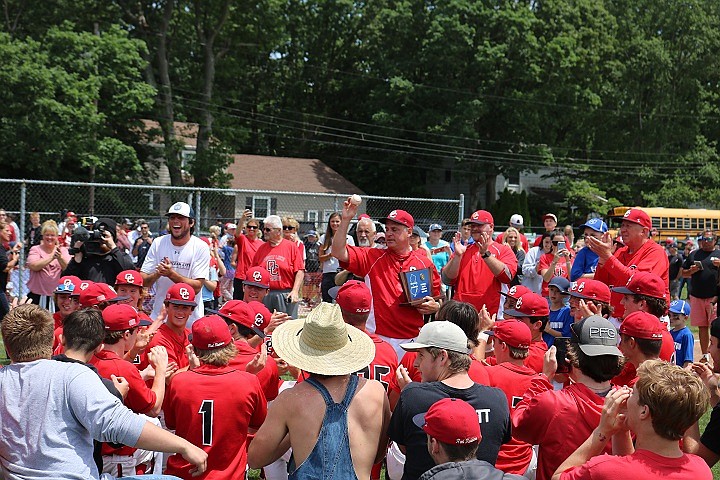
<point>511,238</point>
<point>46,263</point>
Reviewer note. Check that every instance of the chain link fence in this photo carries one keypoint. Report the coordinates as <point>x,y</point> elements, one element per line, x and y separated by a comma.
<point>212,206</point>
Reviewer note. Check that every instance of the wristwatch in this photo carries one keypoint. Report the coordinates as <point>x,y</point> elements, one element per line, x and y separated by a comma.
<point>486,254</point>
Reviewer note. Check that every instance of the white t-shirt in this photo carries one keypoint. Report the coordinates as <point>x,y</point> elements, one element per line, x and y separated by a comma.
<point>332,265</point>
<point>191,260</point>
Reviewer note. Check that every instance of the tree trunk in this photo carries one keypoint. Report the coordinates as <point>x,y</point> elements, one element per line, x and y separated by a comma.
<point>490,190</point>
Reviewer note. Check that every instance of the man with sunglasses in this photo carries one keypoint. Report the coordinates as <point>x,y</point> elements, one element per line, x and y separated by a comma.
<point>701,267</point>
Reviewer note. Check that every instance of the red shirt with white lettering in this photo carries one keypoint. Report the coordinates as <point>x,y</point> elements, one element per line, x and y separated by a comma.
<point>476,283</point>
<point>246,254</point>
<point>282,261</point>
<point>382,268</point>
<point>268,376</point>
<point>213,408</point>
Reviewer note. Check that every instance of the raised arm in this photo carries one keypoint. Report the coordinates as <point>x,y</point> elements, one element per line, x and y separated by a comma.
<point>339,243</point>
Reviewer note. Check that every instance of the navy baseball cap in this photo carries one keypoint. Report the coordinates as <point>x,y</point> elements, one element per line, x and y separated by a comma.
<point>561,283</point>
<point>596,224</point>
<point>435,226</point>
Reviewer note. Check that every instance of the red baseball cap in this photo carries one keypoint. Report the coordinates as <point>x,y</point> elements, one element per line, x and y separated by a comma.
<point>530,305</point>
<point>363,215</point>
<point>589,289</point>
<point>258,277</point>
<point>79,287</point>
<point>642,325</point>
<point>400,216</point>
<point>516,291</point>
<point>129,277</point>
<point>643,283</point>
<point>144,319</point>
<point>120,317</point>
<point>354,297</point>
<point>513,332</point>
<point>210,333</point>
<point>262,315</point>
<point>68,284</point>
<point>635,215</point>
<point>241,313</point>
<point>450,420</point>
<point>181,294</point>
<point>96,293</point>
<point>481,217</point>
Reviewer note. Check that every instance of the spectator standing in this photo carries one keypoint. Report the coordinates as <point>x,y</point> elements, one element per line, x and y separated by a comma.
<point>586,260</point>
<point>681,334</point>
<point>33,235</point>
<point>557,262</point>
<point>8,260</point>
<point>516,222</point>
<point>230,231</point>
<point>511,238</point>
<point>550,224</point>
<point>701,267</point>
<point>142,244</point>
<point>123,241</point>
<point>439,248</point>
<point>46,263</point>
<point>330,264</point>
<point>365,232</point>
<point>531,278</point>
<point>177,258</point>
<point>465,234</point>
<point>676,260</point>
<point>687,248</point>
<point>247,242</point>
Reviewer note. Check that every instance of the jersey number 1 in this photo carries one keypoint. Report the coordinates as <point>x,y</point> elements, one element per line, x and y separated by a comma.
<point>206,410</point>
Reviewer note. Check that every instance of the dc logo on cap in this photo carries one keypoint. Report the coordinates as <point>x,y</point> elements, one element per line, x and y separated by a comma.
<point>581,287</point>
<point>393,214</point>
<point>67,282</point>
<point>258,319</point>
<point>629,280</point>
<point>129,277</point>
<point>475,216</point>
<point>184,293</point>
<point>84,285</point>
<point>257,276</point>
<point>512,290</point>
<point>518,303</point>
<point>627,214</point>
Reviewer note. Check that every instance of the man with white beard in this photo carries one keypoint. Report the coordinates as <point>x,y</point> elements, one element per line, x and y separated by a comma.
<point>365,232</point>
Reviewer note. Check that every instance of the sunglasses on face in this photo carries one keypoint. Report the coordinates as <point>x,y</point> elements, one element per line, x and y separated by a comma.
<point>707,239</point>
<point>252,227</point>
<point>288,227</point>
<point>266,230</point>
<point>381,240</point>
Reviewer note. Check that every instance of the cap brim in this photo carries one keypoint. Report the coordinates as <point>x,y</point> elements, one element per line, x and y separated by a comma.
<point>623,290</point>
<point>145,323</point>
<point>563,292</point>
<point>187,303</point>
<point>412,346</point>
<point>334,291</point>
<point>515,313</point>
<point>419,419</point>
<point>385,220</point>
<point>596,350</point>
<point>255,284</point>
<point>257,331</point>
<point>357,353</point>
<point>478,222</point>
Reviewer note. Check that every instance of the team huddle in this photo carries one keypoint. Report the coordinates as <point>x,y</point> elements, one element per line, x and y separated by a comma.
<point>480,378</point>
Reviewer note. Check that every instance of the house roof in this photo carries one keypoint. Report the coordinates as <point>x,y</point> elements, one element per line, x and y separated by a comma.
<point>258,172</point>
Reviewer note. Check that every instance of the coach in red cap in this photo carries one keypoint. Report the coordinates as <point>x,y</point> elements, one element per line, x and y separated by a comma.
<point>390,320</point>
<point>533,311</point>
<point>639,254</point>
<point>478,271</point>
<point>215,404</point>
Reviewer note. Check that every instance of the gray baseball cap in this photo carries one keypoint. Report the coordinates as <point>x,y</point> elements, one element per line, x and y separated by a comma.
<point>439,334</point>
<point>596,336</point>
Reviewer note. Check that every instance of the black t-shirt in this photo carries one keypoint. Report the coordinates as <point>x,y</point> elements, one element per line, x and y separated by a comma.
<point>417,397</point>
<point>676,262</point>
<point>711,436</point>
<point>312,256</point>
<point>703,284</point>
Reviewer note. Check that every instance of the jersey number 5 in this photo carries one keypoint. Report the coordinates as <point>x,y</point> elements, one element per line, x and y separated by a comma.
<point>207,412</point>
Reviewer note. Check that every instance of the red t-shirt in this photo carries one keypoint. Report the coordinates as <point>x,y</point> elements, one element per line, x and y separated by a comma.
<point>383,267</point>
<point>476,283</point>
<point>58,320</point>
<point>561,269</point>
<point>174,344</point>
<point>212,408</point>
<point>282,261</point>
<point>514,381</point>
<point>536,356</point>
<point>268,376</point>
<point>618,269</point>
<point>641,465</point>
<point>246,253</point>
<point>56,340</point>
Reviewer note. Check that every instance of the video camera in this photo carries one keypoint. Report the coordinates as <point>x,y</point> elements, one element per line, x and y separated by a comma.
<point>90,232</point>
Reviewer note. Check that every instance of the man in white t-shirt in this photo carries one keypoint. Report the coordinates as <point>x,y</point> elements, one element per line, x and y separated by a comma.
<point>178,257</point>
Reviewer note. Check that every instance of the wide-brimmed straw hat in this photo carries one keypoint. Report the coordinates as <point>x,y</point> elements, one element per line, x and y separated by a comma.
<point>323,343</point>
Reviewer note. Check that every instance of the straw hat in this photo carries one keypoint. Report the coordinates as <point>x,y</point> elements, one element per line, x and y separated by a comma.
<point>323,343</point>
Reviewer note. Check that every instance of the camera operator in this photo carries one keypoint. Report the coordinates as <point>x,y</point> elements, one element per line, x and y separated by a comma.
<point>96,257</point>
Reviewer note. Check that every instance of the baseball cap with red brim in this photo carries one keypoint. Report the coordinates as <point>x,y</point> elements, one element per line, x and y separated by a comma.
<point>210,333</point>
<point>119,317</point>
<point>589,289</point>
<point>354,297</point>
<point>530,305</point>
<point>643,283</point>
<point>181,294</point>
<point>481,217</point>
<point>635,215</point>
<point>400,216</point>
<point>97,293</point>
<point>262,314</point>
<point>257,277</point>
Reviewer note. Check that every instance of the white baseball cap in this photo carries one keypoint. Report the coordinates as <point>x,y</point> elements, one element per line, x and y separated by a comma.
<point>439,334</point>
<point>181,208</point>
<point>516,220</point>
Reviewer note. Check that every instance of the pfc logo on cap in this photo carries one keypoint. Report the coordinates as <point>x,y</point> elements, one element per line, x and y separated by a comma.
<point>184,293</point>
<point>602,332</point>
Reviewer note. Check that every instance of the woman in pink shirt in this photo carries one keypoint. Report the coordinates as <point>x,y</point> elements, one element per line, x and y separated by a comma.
<point>46,263</point>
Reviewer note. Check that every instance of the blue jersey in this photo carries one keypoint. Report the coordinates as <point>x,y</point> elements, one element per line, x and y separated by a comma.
<point>560,320</point>
<point>684,345</point>
<point>585,262</point>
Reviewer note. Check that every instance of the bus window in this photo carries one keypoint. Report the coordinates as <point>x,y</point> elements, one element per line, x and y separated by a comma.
<point>663,223</point>
<point>715,223</point>
<point>694,223</point>
<point>656,222</point>
<point>672,223</point>
<point>686,223</point>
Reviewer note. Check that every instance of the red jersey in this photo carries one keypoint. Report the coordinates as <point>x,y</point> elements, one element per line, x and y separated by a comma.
<point>58,320</point>
<point>246,253</point>
<point>476,283</point>
<point>268,376</point>
<point>383,366</point>
<point>56,339</point>
<point>561,269</point>
<point>514,381</point>
<point>213,408</point>
<point>536,355</point>
<point>523,241</point>
<point>282,261</point>
<point>477,371</point>
<point>641,465</point>
<point>174,344</point>
<point>618,269</point>
<point>558,421</point>
<point>382,268</point>
<point>140,398</point>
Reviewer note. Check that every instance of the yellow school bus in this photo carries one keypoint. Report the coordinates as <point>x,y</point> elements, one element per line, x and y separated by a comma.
<point>677,223</point>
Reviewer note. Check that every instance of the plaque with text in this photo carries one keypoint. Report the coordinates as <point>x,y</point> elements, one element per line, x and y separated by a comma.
<point>416,284</point>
